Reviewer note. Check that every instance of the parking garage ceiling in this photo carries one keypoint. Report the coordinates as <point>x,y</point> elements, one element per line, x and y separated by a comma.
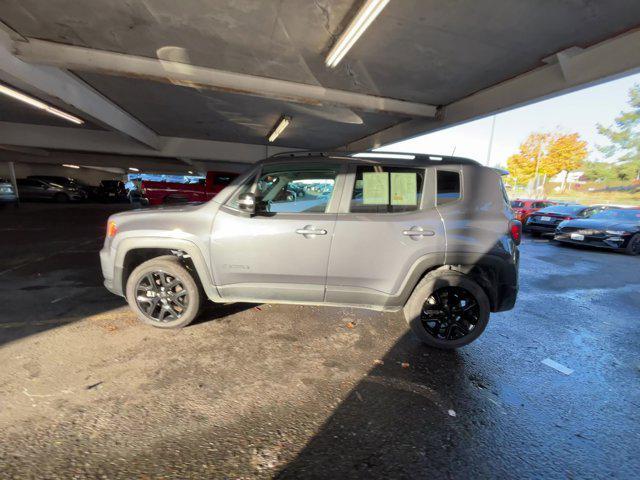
<point>148,77</point>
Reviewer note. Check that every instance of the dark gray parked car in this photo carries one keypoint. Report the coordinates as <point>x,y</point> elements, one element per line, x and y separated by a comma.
<point>33,189</point>
<point>433,237</point>
<point>88,191</point>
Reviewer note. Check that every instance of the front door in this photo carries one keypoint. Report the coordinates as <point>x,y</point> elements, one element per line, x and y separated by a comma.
<point>281,252</point>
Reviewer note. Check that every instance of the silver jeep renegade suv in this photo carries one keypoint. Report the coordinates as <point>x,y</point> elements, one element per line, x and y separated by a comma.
<point>431,236</point>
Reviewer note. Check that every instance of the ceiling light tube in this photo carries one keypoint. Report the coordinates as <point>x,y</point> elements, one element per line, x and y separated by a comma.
<point>10,92</point>
<point>70,166</point>
<point>280,126</point>
<point>134,169</point>
<point>367,14</point>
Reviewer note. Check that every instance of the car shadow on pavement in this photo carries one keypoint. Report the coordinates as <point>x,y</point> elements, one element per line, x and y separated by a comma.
<point>398,421</point>
<point>216,311</point>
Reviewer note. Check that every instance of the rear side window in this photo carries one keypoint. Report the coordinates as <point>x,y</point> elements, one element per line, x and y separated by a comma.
<point>382,189</point>
<point>448,187</point>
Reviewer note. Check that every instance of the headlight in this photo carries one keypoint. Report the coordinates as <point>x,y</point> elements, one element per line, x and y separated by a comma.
<point>615,232</point>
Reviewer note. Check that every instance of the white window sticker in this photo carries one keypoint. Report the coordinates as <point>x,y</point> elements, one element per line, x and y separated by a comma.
<point>375,189</point>
<point>404,188</point>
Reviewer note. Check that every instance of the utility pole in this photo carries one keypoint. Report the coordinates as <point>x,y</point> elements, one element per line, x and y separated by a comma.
<point>537,167</point>
<point>493,127</point>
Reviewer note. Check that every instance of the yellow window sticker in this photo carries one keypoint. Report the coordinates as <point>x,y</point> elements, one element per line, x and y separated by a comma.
<point>404,189</point>
<point>375,189</point>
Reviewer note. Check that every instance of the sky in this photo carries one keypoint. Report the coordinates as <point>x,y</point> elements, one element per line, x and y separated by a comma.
<point>577,112</point>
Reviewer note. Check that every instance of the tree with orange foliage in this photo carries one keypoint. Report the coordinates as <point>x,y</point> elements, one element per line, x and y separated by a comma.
<point>546,153</point>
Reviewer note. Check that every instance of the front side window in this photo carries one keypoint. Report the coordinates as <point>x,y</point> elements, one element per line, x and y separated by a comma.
<point>448,187</point>
<point>291,188</point>
<point>296,188</point>
<point>382,189</point>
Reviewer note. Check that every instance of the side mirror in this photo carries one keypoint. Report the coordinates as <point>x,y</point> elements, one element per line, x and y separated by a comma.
<point>247,203</point>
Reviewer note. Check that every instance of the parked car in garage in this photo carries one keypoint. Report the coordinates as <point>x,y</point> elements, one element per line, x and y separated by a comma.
<point>611,228</point>
<point>7,193</point>
<point>545,220</point>
<point>158,193</point>
<point>382,234</point>
<point>525,207</point>
<point>73,184</point>
<point>112,191</point>
<point>34,189</point>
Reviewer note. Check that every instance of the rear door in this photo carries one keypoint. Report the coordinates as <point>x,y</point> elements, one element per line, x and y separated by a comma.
<point>386,224</point>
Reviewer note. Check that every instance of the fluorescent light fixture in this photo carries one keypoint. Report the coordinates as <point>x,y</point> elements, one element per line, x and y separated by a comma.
<point>134,169</point>
<point>367,14</point>
<point>70,166</point>
<point>10,92</point>
<point>190,172</point>
<point>433,157</point>
<point>280,126</point>
<point>399,156</point>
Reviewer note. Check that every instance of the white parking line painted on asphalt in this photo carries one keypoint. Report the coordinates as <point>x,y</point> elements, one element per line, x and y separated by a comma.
<point>557,366</point>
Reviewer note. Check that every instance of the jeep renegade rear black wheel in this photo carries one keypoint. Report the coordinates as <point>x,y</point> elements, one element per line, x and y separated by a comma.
<point>162,292</point>
<point>447,310</point>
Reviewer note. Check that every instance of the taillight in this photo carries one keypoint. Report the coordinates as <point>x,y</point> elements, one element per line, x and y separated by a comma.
<point>112,229</point>
<point>515,228</point>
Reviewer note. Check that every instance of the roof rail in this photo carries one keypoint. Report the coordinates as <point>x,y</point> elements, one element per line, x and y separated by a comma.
<point>299,153</point>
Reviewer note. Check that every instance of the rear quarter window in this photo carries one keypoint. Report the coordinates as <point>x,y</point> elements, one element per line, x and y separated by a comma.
<point>448,188</point>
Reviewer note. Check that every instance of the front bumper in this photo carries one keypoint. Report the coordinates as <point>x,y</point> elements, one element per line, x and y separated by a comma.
<point>610,242</point>
<point>107,264</point>
<point>8,199</point>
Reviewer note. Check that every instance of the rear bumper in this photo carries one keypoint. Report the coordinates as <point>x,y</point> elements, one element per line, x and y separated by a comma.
<point>537,228</point>
<point>507,295</point>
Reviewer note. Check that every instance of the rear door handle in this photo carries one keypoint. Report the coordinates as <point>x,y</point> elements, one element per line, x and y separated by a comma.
<point>309,230</point>
<point>418,232</point>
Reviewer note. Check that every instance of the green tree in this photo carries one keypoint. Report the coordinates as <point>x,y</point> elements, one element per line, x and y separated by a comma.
<point>624,138</point>
<point>600,171</point>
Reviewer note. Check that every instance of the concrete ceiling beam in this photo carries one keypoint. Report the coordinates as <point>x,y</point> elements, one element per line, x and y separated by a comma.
<point>82,59</point>
<point>85,140</point>
<point>54,83</point>
<point>570,70</point>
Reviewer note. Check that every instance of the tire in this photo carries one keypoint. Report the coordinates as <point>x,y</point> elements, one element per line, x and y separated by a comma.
<point>171,268</point>
<point>61,198</point>
<point>454,282</point>
<point>633,245</point>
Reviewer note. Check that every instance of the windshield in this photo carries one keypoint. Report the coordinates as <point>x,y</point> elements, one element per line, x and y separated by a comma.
<point>617,214</point>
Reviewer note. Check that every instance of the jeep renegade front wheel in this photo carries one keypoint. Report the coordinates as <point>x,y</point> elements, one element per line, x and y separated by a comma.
<point>447,309</point>
<point>162,292</point>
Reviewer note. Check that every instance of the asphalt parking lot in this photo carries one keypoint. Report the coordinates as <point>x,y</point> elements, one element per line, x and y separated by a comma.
<point>289,391</point>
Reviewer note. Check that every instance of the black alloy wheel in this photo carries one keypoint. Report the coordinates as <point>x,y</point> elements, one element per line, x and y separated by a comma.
<point>450,313</point>
<point>161,296</point>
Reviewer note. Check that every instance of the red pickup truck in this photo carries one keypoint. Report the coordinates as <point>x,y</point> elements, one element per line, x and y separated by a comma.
<point>158,193</point>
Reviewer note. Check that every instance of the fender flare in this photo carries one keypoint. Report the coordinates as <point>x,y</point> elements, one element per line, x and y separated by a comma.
<point>188,247</point>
